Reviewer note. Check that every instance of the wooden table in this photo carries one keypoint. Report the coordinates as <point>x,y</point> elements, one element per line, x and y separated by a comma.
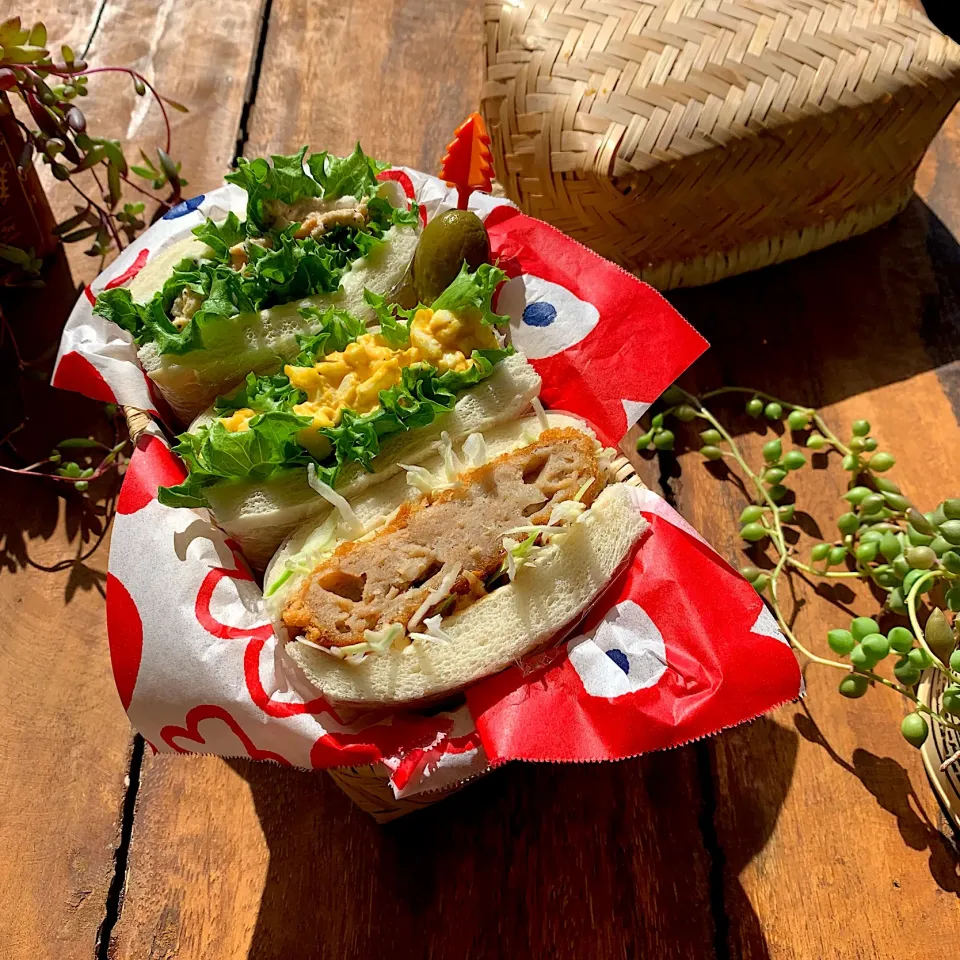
<point>808,834</point>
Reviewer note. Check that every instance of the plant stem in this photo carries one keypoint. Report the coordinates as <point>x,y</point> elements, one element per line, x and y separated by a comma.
<point>776,532</point>
<point>903,691</point>
<point>105,217</point>
<point>129,72</point>
<point>833,574</point>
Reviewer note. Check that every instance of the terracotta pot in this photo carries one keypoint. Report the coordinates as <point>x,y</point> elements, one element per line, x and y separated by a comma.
<point>25,216</point>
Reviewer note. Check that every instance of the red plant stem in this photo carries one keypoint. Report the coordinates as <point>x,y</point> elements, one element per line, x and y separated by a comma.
<point>146,193</point>
<point>129,72</point>
<point>105,216</point>
<point>31,471</point>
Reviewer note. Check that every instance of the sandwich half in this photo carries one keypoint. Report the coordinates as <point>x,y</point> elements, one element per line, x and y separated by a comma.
<point>488,551</point>
<point>232,299</point>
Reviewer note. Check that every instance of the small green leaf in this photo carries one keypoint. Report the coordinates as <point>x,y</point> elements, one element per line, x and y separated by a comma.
<point>82,442</point>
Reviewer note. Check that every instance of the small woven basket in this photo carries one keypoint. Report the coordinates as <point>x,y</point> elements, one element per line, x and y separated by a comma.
<point>690,140</point>
<point>368,786</point>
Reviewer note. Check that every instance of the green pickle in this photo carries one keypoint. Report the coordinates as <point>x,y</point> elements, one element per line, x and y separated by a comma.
<point>446,241</point>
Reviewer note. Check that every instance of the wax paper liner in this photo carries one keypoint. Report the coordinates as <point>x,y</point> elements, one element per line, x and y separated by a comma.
<point>678,647</point>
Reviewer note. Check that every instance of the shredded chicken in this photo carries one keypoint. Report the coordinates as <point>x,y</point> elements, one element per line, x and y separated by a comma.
<point>317,216</point>
<point>238,252</point>
<point>384,580</point>
<point>184,307</point>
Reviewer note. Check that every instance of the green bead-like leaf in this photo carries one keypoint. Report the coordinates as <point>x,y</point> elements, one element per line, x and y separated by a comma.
<point>798,419</point>
<point>772,450</point>
<point>820,552</point>
<point>915,729</point>
<point>848,523</point>
<point>854,686</point>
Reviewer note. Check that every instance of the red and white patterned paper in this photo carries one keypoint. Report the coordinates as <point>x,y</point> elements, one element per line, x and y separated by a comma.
<point>679,647</point>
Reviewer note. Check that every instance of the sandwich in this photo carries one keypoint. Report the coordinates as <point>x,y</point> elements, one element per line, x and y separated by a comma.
<point>350,408</point>
<point>317,231</point>
<point>489,550</point>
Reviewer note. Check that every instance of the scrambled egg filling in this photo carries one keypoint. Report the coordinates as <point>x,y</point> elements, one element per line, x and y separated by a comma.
<point>352,379</point>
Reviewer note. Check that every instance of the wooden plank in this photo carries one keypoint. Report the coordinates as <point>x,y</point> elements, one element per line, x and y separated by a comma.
<point>833,843</point>
<point>200,55</point>
<point>65,743</point>
<point>400,75</point>
<point>533,861</point>
<point>64,740</point>
<point>242,859</point>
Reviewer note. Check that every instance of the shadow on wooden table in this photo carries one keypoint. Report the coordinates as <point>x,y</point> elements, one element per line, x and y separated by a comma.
<point>605,860</point>
<point>42,525</point>
<point>890,785</point>
<point>871,311</point>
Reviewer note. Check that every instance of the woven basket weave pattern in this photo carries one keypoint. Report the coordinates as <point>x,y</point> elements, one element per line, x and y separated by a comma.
<point>692,139</point>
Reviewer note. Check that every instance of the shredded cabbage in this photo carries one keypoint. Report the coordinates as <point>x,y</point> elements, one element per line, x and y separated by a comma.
<point>434,631</point>
<point>583,490</point>
<point>420,478</point>
<point>518,553</point>
<point>316,646</point>
<point>475,450</point>
<point>347,515</point>
<point>435,596</point>
<point>451,462</point>
<point>380,641</point>
<point>541,413</point>
<point>279,582</point>
<point>567,511</point>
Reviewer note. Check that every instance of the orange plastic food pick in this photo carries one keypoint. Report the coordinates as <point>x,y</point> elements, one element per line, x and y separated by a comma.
<point>468,165</point>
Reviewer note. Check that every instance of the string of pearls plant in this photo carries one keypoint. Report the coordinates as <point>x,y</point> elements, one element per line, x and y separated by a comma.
<point>913,558</point>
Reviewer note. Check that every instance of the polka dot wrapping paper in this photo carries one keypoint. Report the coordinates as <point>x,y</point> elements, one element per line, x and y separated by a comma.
<point>678,647</point>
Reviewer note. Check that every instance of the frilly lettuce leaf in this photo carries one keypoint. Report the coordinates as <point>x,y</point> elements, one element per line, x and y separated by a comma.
<point>337,329</point>
<point>284,180</point>
<point>215,455</point>
<point>473,290</point>
<point>354,176</point>
<point>264,394</point>
<point>220,237</point>
<point>393,319</point>
<point>281,270</point>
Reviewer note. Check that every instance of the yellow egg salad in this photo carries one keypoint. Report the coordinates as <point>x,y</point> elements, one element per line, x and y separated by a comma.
<point>353,378</point>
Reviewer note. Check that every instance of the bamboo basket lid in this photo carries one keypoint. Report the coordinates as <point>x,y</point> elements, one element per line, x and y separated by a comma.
<point>694,139</point>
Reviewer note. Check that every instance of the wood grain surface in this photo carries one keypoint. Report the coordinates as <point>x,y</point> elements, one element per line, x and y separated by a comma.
<point>859,851</point>
<point>808,834</point>
<point>65,744</point>
<point>64,739</point>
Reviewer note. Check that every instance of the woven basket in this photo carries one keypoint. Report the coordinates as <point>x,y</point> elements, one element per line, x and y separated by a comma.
<point>368,786</point>
<point>690,140</point>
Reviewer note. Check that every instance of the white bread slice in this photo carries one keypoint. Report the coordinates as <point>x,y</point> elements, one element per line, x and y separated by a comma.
<point>260,515</point>
<point>545,599</point>
<point>261,341</point>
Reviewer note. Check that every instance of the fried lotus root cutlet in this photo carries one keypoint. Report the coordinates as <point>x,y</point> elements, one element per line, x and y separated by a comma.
<point>455,535</point>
